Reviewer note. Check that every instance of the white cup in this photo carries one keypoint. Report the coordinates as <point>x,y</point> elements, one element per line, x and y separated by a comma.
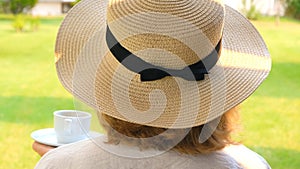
<point>71,125</point>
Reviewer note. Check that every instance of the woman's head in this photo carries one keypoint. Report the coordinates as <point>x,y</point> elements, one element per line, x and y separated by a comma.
<point>168,64</point>
<point>165,64</point>
<point>135,134</point>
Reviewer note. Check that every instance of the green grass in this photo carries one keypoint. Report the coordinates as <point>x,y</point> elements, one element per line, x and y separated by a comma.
<point>30,92</point>
<point>271,116</point>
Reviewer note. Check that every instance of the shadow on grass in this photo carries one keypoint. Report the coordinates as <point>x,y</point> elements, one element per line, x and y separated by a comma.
<point>31,110</point>
<point>279,158</point>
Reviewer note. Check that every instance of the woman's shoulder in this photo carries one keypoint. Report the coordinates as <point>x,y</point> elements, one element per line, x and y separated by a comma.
<point>246,158</point>
<point>76,155</point>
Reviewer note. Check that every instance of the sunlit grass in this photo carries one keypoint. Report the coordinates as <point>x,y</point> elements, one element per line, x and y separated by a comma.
<point>271,116</point>
<point>29,90</point>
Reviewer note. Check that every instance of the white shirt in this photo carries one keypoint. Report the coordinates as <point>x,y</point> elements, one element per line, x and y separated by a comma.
<point>91,154</point>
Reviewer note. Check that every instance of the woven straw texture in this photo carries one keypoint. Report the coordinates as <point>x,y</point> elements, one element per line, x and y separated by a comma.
<point>171,34</point>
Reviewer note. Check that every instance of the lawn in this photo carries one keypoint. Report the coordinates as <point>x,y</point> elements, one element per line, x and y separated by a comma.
<point>30,92</point>
<point>271,116</point>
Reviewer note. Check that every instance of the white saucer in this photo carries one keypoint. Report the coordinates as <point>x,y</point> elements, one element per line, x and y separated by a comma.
<point>47,136</point>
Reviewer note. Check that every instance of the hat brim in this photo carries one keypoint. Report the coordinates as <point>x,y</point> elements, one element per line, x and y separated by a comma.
<point>88,70</point>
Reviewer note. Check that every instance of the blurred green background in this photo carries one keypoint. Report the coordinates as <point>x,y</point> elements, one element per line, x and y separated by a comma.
<point>30,92</point>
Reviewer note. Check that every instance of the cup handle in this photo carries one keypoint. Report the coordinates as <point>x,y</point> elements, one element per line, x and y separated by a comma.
<point>67,126</point>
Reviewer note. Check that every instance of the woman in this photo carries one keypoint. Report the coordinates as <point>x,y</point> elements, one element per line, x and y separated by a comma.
<point>165,77</point>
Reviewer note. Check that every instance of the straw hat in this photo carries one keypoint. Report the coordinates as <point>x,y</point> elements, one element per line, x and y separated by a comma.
<point>171,64</point>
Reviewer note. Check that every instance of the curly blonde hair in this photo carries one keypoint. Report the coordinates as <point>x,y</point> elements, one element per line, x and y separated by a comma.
<point>133,134</point>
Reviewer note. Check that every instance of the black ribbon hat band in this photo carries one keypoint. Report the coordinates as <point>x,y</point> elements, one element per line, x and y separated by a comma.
<point>151,72</point>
